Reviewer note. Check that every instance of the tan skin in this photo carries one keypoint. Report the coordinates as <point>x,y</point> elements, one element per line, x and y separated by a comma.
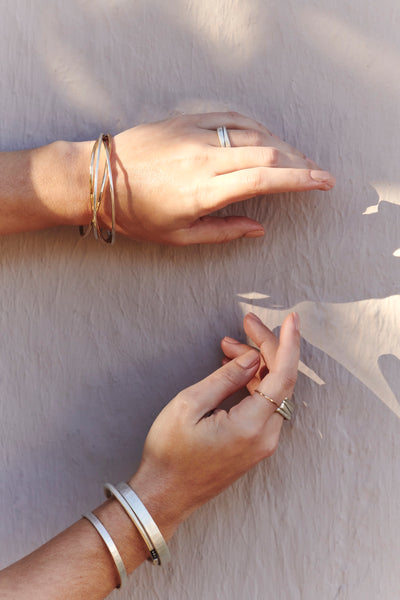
<point>189,457</point>
<point>169,177</point>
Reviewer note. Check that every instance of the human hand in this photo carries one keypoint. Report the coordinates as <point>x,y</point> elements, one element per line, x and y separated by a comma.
<point>170,175</point>
<point>194,450</point>
<point>264,339</point>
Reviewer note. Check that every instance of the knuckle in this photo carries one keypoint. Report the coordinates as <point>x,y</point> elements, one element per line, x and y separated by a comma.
<point>198,159</point>
<point>249,432</point>
<point>224,235</point>
<point>176,121</point>
<point>299,178</point>
<point>270,156</point>
<point>264,348</point>
<point>288,380</point>
<point>271,445</point>
<point>234,115</point>
<point>185,398</point>
<point>254,180</point>
<point>231,375</point>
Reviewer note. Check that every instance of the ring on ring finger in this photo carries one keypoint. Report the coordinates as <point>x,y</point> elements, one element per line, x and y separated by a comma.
<point>223,137</point>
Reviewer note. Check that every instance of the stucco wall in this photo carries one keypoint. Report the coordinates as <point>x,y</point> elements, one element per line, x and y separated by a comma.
<point>94,341</point>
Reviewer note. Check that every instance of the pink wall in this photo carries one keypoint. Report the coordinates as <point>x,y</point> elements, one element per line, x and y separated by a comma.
<point>95,341</point>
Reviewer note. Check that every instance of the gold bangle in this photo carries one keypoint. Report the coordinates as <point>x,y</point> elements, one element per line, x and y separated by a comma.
<point>96,194</point>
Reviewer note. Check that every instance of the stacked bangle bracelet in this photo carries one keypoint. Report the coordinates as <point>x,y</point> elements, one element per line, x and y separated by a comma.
<point>141,518</point>
<point>144,523</point>
<point>112,548</point>
<point>97,191</point>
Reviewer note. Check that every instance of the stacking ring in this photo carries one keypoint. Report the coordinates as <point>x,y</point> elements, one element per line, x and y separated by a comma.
<point>285,408</point>
<point>223,137</point>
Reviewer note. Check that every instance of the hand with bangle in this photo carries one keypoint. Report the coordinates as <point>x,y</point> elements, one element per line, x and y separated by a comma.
<point>158,182</point>
<point>170,175</point>
<point>194,450</point>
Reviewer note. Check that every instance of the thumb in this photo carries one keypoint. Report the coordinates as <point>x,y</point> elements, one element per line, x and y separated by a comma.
<point>215,230</point>
<point>208,393</point>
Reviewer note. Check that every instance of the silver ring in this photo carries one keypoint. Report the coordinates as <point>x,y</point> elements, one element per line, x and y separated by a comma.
<point>286,409</point>
<point>223,137</point>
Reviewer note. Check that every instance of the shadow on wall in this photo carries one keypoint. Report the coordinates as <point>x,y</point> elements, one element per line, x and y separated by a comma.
<point>350,334</point>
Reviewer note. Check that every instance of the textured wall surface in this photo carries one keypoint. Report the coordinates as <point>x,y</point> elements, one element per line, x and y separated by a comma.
<point>94,341</point>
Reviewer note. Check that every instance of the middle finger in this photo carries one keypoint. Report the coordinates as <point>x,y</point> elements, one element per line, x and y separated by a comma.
<point>227,160</point>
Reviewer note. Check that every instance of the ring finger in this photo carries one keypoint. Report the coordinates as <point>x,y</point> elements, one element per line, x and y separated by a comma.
<point>250,137</point>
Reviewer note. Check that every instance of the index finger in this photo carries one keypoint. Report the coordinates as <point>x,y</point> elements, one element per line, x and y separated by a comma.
<point>210,392</point>
<point>247,183</point>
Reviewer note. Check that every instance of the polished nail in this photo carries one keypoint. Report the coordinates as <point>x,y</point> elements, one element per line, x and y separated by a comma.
<point>250,359</point>
<point>296,320</point>
<point>255,233</point>
<point>230,340</point>
<point>322,177</point>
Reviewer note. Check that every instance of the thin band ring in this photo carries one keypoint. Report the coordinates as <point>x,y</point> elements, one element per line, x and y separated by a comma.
<point>223,137</point>
<point>267,398</point>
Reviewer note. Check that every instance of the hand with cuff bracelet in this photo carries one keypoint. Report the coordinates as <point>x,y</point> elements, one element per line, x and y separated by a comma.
<point>193,451</point>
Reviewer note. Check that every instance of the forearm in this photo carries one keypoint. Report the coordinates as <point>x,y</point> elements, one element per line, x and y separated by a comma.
<point>45,187</point>
<point>76,563</point>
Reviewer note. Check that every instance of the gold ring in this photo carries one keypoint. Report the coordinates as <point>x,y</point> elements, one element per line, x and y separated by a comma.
<point>267,398</point>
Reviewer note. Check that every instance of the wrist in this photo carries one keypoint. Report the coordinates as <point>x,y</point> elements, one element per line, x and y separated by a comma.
<point>73,205</point>
<point>159,501</point>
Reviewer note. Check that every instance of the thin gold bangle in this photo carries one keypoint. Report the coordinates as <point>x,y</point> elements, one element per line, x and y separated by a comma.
<point>96,194</point>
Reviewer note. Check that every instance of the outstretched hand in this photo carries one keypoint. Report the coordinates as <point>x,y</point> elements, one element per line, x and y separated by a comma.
<point>171,175</point>
<point>194,449</point>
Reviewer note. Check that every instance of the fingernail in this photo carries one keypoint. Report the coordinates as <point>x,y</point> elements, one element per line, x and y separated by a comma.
<point>254,317</point>
<point>254,234</point>
<point>296,320</point>
<point>250,359</point>
<point>322,177</point>
<point>230,340</point>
